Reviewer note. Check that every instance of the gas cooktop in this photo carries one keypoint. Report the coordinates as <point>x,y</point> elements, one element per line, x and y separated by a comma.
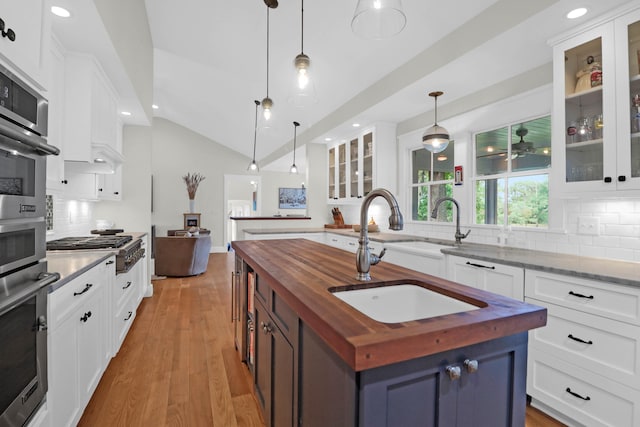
<point>98,242</point>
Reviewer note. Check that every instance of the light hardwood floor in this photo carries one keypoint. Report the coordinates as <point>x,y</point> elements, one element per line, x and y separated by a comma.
<point>178,365</point>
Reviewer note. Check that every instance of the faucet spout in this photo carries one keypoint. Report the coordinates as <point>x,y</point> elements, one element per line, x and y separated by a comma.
<point>364,258</point>
<point>434,214</point>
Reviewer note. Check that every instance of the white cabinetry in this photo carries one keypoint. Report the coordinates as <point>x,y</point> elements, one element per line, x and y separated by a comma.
<point>91,121</point>
<point>31,23</point>
<point>489,276</point>
<point>316,237</point>
<point>110,185</point>
<point>55,164</point>
<point>79,344</point>
<point>584,363</point>
<point>596,142</point>
<point>81,186</point>
<point>126,297</point>
<point>361,164</point>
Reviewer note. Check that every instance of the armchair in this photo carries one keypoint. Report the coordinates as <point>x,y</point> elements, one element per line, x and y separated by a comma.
<point>182,256</point>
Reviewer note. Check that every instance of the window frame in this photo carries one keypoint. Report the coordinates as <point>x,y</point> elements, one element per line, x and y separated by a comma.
<point>508,174</point>
<point>428,184</point>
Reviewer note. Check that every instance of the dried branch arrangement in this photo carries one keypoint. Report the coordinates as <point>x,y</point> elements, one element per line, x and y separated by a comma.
<point>192,181</point>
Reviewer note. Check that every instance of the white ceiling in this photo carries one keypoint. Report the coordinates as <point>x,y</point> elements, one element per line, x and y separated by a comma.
<point>210,63</point>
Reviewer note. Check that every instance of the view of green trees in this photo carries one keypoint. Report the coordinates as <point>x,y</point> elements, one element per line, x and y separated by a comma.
<point>527,203</point>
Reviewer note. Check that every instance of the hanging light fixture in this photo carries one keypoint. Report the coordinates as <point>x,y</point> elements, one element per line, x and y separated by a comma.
<point>378,19</point>
<point>302,61</point>
<point>436,138</point>
<point>253,166</point>
<point>294,168</point>
<point>267,103</point>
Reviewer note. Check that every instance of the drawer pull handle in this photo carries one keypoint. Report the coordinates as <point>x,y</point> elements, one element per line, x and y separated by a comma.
<point>579,339</point>
<point>572,393</point>
<point>86,288</point>
<point>575,294</point>
<point>128,316</point>
<point>493,267</point>
<point>128,284</point>
<point>110,262</point>
<point>86,316</point>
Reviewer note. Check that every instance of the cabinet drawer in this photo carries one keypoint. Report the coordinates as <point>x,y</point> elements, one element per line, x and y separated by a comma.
<point>262,290</point>
<point>123,320</point>
<point>125,286</point>
<point>604,299</point>
<point>607,347</point>
<point>65,300</point>
<point>598,401</point>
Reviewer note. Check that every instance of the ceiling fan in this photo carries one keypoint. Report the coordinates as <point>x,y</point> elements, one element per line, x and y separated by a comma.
<point>522,147</point>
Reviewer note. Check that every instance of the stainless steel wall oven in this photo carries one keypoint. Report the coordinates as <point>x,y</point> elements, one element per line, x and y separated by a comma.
<point>24,280</point>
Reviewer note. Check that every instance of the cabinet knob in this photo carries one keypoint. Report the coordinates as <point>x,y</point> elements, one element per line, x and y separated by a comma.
<point>622,178</point>
<point>86,316</point>
<point>266,328</point>
<point>471,365</point>
<point>64,181</point>
<point>607,179</point>
<point>116,192</point>
<point>454,372</point>
<point>100,189</point>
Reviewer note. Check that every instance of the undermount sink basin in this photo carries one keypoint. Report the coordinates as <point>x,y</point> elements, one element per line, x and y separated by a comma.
<point>402,303</point>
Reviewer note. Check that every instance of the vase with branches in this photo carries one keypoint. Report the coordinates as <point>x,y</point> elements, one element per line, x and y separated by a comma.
<point>192,180</point>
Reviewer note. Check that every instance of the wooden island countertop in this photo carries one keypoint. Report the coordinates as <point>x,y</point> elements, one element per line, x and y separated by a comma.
<point>303,272</point>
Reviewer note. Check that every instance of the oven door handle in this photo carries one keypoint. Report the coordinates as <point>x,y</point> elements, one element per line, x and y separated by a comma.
<point>45,279</point>
<point>30,139</point>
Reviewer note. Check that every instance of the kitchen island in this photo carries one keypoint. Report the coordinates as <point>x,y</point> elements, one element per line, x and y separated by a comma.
<point>321,362</point>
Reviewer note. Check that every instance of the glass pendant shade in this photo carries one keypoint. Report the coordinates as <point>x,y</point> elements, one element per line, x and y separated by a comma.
<point>302,63</point>
<point>267,107</point>
<point>436,138</point>
<point>378,19</point>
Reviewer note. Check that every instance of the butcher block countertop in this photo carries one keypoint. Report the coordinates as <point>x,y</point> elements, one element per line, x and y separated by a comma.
<point>303,272</point>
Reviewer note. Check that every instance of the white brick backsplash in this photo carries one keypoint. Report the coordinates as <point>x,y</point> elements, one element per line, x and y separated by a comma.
<point>70,218</point>
<point>618,230</point>
<point>630,218</point>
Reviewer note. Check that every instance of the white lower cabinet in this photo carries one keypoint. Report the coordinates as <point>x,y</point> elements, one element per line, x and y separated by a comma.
<point>585,363</point>
<point>428,262</point>
<point>126,297</point>
<point>489,276</point>
<point>79,345</point>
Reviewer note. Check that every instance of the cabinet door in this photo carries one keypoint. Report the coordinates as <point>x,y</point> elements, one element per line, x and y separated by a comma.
<point>31,23</point>
<point>460,270</point>
<point>55,164</point>
<point>273,371</point>
<point>110,185</point>
<point>355,189</point>
<point>627,33</point>
<point>82,186</point>
<point>331,174</point>
<point>91,321</point>
<point>63,395</point>
<point>497,278</point>
<point>584,101</point>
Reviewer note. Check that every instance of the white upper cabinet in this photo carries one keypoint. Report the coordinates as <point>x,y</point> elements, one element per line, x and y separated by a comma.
<point>596,136</point>
<point>27,55</point>
<point>55,164</point>
<point>91,121</point>
<point>362,163</point>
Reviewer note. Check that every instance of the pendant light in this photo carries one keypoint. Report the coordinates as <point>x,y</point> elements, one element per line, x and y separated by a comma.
<point>302,61</point>
<point>436,138</point>
<point>378,19</point>
<point>253,166</point>
<point>294,168</point>
<point>267,103</point>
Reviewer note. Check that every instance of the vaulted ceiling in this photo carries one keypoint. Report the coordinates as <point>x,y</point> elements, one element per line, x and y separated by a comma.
<point>210,62</point>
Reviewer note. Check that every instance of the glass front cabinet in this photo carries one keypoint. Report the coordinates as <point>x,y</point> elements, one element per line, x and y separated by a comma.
<point>596,119</point>
<point>357,165</point>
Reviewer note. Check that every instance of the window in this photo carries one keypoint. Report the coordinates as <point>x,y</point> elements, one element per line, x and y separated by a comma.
<point>512,174</point>
<point>431,179</point>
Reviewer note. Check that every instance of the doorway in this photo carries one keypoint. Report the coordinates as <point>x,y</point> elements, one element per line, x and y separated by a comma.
<point>241,198</point>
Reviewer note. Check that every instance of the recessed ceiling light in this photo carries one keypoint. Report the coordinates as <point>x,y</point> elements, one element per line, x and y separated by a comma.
<point>356,125</point>
<point>125,113</point>
<point>577,13</point>
<point>60,11</point>
<point>154,106</point>
<point>327,139</point>
<point>442,158</point>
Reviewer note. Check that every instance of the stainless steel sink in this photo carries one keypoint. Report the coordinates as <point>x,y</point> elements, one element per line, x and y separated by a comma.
<point>402,302</point>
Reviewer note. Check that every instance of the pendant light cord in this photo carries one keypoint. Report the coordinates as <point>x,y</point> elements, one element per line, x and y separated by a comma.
<point>435,119</point>
<point>268,52</point>
<point>255,131</point>
<point>302,27</point>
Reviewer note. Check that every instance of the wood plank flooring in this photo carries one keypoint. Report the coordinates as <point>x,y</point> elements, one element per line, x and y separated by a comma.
<point>178,365</point>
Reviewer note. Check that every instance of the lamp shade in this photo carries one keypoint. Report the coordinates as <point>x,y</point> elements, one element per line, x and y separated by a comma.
<point>435,139</point>
<point>378,19</point>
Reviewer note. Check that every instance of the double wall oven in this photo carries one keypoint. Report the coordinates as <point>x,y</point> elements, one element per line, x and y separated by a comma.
<point>24,278</point>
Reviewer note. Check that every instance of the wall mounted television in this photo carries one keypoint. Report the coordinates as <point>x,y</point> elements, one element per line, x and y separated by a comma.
<point>292,198</point>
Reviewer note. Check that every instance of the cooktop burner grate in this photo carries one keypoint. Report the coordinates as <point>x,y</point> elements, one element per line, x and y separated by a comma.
<point>99,242</point>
